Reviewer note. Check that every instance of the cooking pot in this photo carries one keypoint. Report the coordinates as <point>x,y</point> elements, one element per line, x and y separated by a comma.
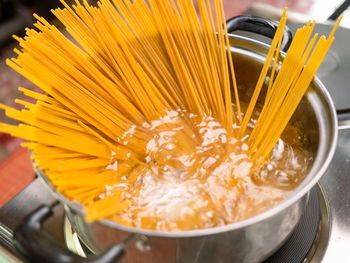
<point>250,240</point>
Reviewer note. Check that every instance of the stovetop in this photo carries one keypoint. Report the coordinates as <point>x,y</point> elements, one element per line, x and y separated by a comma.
<point>333,238</point>
<point>336,183</point>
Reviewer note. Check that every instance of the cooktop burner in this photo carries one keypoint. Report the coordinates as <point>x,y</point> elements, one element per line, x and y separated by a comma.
<point>303,242</point>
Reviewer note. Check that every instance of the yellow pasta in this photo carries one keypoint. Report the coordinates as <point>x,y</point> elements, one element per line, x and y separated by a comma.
<point>140,89</point>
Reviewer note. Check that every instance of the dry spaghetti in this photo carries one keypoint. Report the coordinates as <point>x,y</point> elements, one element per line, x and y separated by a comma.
<point>144,104</point>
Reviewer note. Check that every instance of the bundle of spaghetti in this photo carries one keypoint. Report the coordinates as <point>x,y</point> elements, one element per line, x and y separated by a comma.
<point>120,76</point>
<point>287,90</point>
<point>136,71</point>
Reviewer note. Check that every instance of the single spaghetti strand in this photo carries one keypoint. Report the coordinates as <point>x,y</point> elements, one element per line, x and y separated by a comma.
<point>229,111</point>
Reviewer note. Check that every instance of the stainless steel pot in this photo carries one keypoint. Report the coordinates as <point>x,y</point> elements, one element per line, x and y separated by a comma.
<point>251,240</point>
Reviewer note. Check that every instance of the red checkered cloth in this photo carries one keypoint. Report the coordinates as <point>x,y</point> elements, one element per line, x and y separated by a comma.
<point>16,172</point>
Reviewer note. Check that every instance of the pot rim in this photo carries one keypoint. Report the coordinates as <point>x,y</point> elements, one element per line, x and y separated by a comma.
<point>294,196</point>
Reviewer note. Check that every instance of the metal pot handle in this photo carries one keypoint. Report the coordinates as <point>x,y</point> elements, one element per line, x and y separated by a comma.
<point>261,26</point>
<point>343,119</point>
<point>37,246</point>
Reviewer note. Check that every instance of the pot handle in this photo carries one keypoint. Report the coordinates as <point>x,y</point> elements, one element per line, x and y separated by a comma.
<point>37,246</point>
<point>261,26</point>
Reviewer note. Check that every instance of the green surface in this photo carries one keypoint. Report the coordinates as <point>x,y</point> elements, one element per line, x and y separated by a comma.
<point>4,259</point>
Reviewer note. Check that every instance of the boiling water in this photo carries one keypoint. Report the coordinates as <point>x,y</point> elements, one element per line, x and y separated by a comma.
<point>202,176</point>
